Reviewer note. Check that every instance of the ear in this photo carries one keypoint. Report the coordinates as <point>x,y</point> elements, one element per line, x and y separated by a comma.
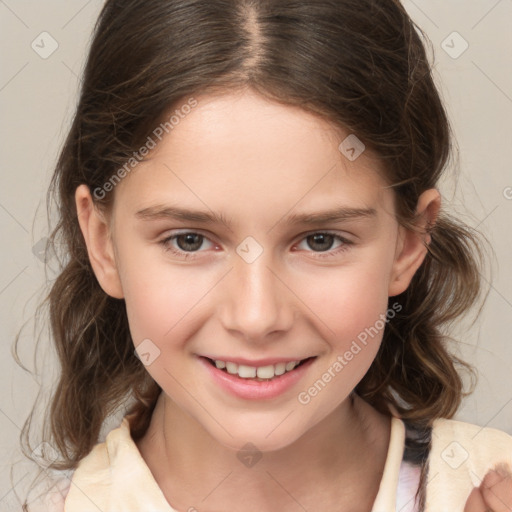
<point>96,232</point>
<point>412,245</point>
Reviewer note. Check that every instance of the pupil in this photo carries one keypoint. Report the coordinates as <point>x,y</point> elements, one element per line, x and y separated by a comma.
<point>189,241</point>
<point>320,241</point>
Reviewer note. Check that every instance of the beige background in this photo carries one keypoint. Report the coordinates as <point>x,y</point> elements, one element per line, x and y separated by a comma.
<point>37,98</point>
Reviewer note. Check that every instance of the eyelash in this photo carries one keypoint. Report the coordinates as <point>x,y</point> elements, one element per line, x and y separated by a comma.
<point>345,244</point>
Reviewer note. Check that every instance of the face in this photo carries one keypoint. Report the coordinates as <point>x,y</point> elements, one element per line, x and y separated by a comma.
<point>250,239</point>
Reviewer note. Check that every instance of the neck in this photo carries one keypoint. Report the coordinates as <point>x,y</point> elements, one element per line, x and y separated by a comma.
<point>322,468</point>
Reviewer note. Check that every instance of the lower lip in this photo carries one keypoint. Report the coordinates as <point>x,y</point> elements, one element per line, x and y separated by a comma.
<point>252,389</point>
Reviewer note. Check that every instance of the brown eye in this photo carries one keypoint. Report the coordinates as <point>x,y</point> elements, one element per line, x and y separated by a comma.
<point>320,242</point>
<point>323,244</point>
<point>188,245</point>
<point>189,241</point>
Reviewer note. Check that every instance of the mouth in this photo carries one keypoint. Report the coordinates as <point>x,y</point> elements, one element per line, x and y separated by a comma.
<point>268,372</point>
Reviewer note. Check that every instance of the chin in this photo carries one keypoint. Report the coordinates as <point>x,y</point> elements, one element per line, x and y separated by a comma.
<point>263,436</point>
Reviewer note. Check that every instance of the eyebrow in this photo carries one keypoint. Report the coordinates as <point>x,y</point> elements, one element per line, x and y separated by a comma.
<point>341,214</point>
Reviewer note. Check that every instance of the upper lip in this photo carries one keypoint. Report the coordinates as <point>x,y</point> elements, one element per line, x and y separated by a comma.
<point>256,363</point>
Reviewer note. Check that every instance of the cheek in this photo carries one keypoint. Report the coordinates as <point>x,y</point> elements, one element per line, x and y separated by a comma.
<point>346,300</point>
<point>349,308</point>
<point>165,307</point>
<point>352,320</point>
<point>160,298</point>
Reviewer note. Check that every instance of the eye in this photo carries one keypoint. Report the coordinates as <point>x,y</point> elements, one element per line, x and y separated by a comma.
<point>323,242</point>
<point>186,242</point>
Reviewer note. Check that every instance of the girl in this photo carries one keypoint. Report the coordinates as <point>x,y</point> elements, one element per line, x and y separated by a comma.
<point>259,271</point>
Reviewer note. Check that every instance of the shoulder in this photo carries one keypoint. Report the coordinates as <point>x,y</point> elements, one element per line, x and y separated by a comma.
<point>111,469</point>
<point>461,455</point>
<point>463,441</point>
<point>115,475</point>
<point>93,476</point>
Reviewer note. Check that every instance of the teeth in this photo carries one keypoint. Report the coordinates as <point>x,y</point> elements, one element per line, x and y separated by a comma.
<point>266,372</point>
<point>251,372</point>
<point>246,372</point>
<point>232,368</point>
<point>290,366</point>
<point>280,368</point>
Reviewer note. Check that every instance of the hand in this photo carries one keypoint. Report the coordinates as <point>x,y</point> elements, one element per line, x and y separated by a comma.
<point>494,493</point>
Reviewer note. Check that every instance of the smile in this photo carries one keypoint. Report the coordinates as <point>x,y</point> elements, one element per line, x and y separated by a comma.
<point>266,372</point>
<point>243,378</point>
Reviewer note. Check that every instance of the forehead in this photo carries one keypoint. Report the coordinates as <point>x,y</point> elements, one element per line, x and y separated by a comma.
<point>239,151</point>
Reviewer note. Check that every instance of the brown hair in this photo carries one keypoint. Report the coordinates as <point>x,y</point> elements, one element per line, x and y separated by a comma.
<point>360,64</point>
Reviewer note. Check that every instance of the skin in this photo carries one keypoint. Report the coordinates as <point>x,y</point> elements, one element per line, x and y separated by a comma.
<point>494,493</point>
<point>256,163</point>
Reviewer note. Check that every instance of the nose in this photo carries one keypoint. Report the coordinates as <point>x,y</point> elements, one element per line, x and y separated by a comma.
<point>255,302</point>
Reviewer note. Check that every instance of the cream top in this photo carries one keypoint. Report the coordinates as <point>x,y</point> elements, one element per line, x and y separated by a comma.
<point>103,478</point>
<point>115,478</point>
